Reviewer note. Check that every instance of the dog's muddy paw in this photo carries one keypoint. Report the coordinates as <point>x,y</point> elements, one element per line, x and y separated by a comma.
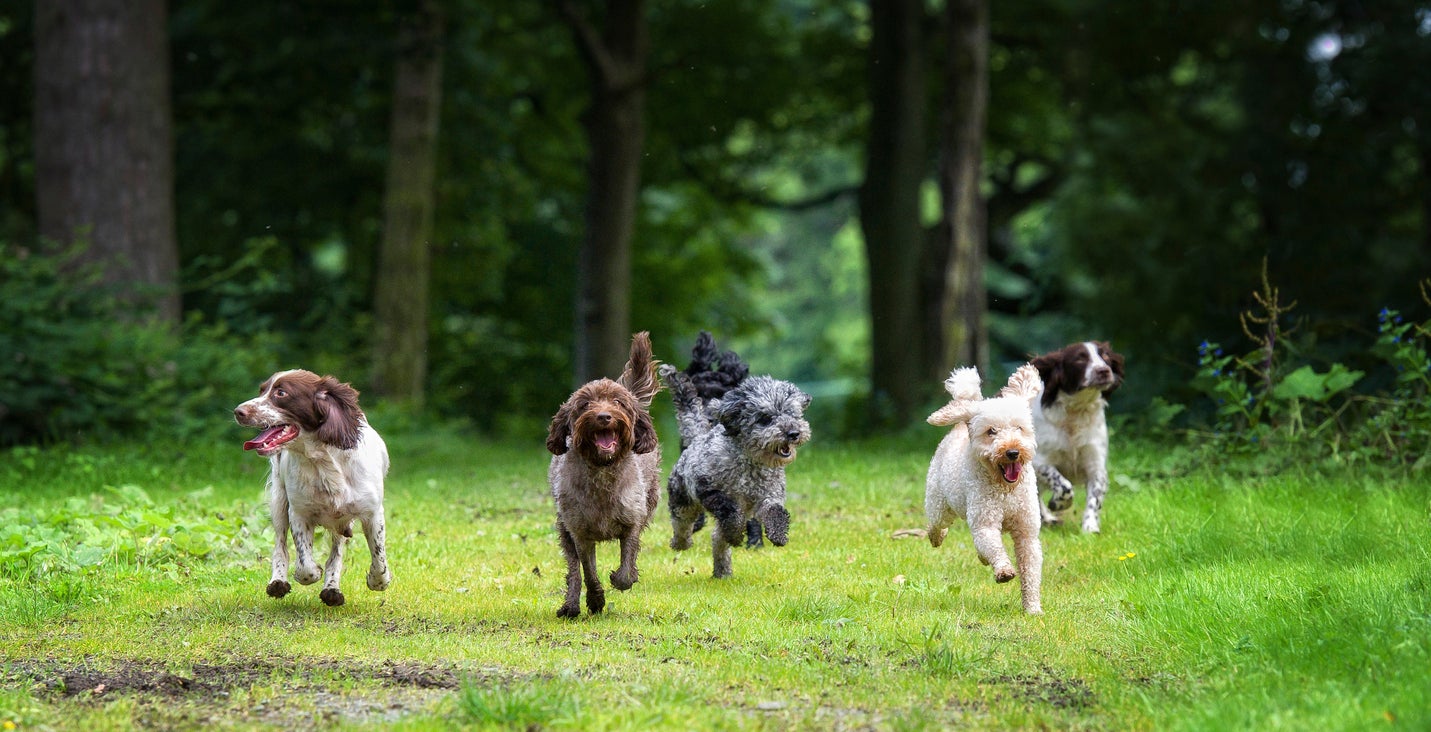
<point>1004,574</point>
<point>623,581</point>
<point>936,537</point>
<point>569,610</point>
<point>278,588</point>
<point>332,597</point>
<point>595,601</point>
<point>680,543</point>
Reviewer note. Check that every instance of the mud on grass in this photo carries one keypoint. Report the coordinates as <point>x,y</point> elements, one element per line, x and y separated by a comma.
<point>281,692</point>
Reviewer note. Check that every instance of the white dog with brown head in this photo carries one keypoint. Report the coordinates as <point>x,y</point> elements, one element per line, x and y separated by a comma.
<point>981,473</point>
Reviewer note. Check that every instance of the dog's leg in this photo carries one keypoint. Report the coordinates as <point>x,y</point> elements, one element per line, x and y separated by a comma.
<point>305,567</point>
<point>1030,555</point>
<point>720,552</point>
<point>988,541</point>
<point>938,516</point>
<point>571,606</point>
<point>1060,490</point>
<point>686,514</point>
<point>278,510</point>
<point>595,593</point>
<point>626,575</point>
<point>753,538</point>
<point>375,531</point>
<point>333,571</point>
<point>728,517</point>
<point>1097,488</point>
<point>776,521</point>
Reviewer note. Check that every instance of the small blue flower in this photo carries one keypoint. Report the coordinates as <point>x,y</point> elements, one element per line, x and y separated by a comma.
<point>1217,372</point>
<point>1203,347</point>
<point>1383,315</point>
<point>1218,352</point>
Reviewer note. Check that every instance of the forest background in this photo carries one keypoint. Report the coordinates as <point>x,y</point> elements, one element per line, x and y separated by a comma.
<point>464,207</point>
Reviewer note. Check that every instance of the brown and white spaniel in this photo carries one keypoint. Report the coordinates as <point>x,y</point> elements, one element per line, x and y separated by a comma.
<point>1070,427</point>
<point>327,466</point>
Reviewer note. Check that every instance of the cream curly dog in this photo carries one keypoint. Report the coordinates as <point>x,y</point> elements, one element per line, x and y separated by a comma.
<point>981,473</point>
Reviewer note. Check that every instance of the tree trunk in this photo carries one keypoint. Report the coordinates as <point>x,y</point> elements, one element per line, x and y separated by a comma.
<point>889,208</point>
<point>104,142</point>
<point>401,289</point>
<point>962,339</point>
<point>615,131</point>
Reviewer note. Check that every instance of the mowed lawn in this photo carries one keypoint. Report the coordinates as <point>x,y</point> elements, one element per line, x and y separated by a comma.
<point>1216,598</point>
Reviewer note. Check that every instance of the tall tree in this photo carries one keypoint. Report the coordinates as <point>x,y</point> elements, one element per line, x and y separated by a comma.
<point>615,59</point>
<point>889,206</point>
<point>959,336</point>
<point>401,305</point>
<point>104,143</point>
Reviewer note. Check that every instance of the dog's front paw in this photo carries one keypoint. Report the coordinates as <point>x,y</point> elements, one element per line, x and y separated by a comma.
<point>306,575</point>
<point>379,580</point>
<point>680,543</point>
<point>1090,524</point>
<point>278,588</point>
<point>595,600</point>
<point>1052,520</point>
<point>332,597</point>
<point>777,524</point>
<point>1004,574</point>
<point>623,580</point>
<point>569,610</point>
<point>936,537</point>
<point>1060,499</point>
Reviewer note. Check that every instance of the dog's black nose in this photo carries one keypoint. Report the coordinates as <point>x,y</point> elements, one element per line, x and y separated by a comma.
<point>1012,454</point>
<point>603,418</point>
<point>792,435</point>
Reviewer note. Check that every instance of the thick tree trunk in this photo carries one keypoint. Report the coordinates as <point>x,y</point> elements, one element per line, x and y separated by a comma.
<point>616,131</point>
<point>889,208</point>
<point>401,289</point>
<point>962,339</point>
<point>104,143</point>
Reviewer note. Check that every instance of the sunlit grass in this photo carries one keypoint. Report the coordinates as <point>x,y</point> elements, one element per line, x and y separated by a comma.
<point>1210,602</point>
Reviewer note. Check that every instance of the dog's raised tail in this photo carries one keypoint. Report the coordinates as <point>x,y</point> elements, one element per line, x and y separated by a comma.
<point>639,375</point>
<point>963,388</point>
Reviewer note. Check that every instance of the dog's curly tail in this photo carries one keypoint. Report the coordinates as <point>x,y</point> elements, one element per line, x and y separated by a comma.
<point>963,384</point>
<point>691,415</point>
<point>639,375</point>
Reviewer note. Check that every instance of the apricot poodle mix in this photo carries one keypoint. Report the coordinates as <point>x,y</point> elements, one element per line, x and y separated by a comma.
<point>981,473</point>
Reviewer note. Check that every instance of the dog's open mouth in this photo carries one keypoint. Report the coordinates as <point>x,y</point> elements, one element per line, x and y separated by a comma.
<point>1012,471</point>
<point>268,441</point>
<point>784,452</point>
<point>606,440</point>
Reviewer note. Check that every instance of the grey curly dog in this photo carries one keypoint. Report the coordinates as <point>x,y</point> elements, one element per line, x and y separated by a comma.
<point>734,462</point>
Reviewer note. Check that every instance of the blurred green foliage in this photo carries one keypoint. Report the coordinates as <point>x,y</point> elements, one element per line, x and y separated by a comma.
<point>1141,158</point>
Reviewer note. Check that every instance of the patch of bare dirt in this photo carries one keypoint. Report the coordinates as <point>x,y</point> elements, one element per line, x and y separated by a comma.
<point>1049,688</point>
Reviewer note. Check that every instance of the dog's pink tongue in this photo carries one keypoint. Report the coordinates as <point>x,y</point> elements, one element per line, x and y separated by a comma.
<point>606,440</point>
<point>1012,471</point>
<point>262,438</point>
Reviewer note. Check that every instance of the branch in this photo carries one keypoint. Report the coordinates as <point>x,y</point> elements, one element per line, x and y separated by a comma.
<point>588,41</point>
<point>729,192</point>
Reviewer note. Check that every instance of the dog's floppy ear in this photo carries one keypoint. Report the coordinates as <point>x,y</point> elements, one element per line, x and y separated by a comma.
<point>338,404</point>
<point>560,430</point>
<point>804,400</point>
<point>1024,383</point>
<point>951,414</point>
<point>645,435</point>
<point>727,412</point>
<point>1115,362</point>
<point>1050,370</point>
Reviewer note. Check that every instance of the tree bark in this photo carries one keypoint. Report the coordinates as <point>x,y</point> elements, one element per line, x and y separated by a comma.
<point>401,304</point>
<point>104,142</point>
<point>962,338</point>
<point>615,130</point>
<point>890,210</point>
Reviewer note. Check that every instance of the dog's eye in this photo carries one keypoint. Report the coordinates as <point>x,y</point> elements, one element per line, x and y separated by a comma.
<point>993,432</point>
<point>764,420</point>
<point>280,393</point>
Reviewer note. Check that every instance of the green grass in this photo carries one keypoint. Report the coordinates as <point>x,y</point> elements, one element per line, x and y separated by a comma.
<point>1215,599</point>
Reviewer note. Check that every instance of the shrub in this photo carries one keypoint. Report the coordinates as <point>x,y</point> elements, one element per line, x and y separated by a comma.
<point>78,363</point>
